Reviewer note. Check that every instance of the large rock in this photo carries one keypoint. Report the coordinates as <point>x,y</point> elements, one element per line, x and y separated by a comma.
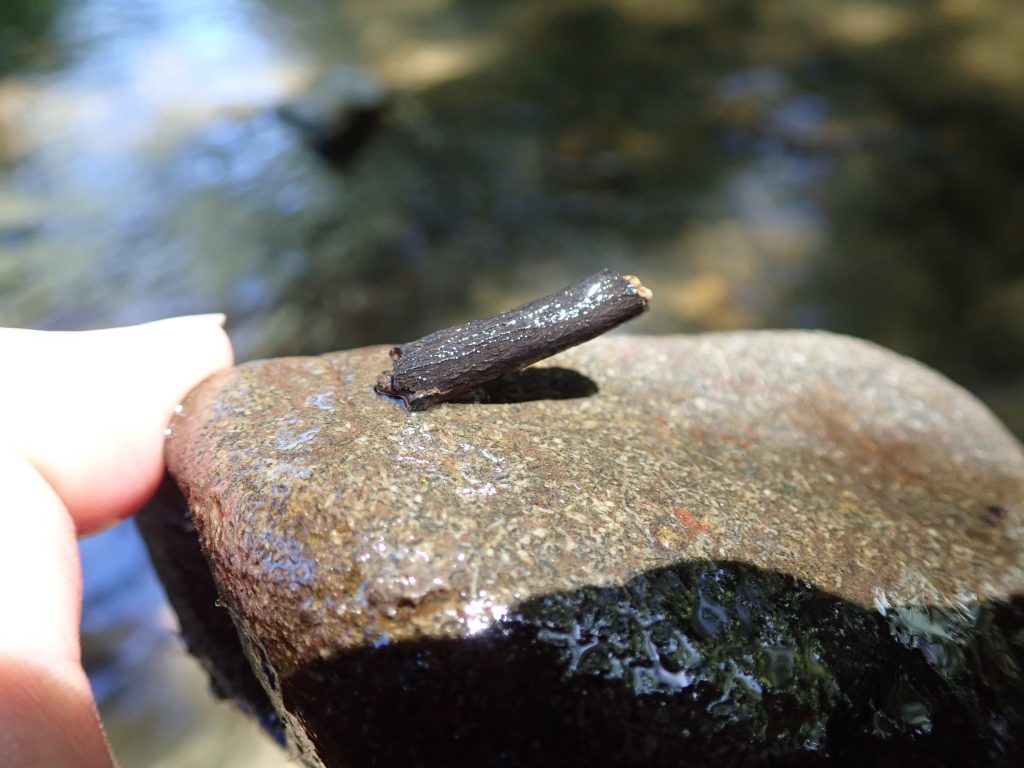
<point>783,548</point>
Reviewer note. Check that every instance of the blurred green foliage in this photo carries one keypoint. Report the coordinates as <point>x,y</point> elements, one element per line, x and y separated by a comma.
<point>26,34</point>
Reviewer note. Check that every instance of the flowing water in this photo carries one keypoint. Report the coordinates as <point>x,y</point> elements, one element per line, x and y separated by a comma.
<point>851,166</point>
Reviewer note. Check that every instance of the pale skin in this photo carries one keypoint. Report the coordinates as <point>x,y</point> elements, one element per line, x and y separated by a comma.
<point>82,418</point>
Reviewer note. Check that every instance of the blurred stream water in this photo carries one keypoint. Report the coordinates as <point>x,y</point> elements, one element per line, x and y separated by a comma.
<point>851,166</point>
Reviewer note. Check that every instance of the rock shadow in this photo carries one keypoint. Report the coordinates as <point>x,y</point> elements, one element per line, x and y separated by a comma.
<point>532,384</point>
<point>206,626</point>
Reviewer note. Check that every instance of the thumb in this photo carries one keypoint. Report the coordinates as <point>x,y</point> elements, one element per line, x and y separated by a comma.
<point>88,409</point>
<point>81,436</point>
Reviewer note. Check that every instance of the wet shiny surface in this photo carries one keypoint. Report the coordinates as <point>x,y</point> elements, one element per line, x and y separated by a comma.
<point>783,543</point>
<point>849,165</point>
<point>705,662</point>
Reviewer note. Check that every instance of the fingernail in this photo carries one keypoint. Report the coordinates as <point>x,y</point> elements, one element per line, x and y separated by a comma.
<point>214,317</point>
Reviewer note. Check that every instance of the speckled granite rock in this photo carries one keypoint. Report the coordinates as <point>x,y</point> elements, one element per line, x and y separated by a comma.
<point>777,548</point>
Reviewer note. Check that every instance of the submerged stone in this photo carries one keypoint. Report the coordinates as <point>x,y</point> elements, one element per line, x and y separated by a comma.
<point>753,548</point>
<point>339,113</point>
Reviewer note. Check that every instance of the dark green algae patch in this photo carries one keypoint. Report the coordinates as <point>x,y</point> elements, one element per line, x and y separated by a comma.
<point>704,663</point>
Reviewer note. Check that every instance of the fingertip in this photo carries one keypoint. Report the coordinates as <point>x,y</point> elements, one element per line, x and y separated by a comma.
<point>191,348</point>
<point>166,359</point>
<point>92,407</point>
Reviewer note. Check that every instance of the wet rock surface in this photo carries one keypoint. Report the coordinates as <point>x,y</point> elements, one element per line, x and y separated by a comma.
<point>753,548</point>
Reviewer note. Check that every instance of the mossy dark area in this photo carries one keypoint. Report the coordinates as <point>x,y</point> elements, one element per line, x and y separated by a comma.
<point>704,663</point>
